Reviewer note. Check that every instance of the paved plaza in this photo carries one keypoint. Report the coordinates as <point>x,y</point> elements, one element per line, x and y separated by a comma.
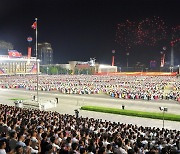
<point>68,103</point>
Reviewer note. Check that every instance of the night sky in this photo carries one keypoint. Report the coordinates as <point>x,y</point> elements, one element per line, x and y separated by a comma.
<point>80,29</point>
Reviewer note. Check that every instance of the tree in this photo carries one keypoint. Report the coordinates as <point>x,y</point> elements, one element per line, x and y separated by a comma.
<point>42,70</point>
<point>53,70</point>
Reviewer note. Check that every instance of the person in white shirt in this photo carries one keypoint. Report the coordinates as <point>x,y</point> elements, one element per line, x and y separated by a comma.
<point>28,148</point>
<point>35,142</point>
<point>54,145</point>
<point>119,148</point>
<point>105,142</point>
<point>74,139</point>
<point>2,147</point>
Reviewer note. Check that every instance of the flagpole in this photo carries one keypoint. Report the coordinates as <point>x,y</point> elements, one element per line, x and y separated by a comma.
<point>37,68</point>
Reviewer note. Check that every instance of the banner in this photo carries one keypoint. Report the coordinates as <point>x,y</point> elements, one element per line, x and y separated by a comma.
<point>33,69</point>
<point>140,73</point>
<point>14,54</point>
<point>2,71</point>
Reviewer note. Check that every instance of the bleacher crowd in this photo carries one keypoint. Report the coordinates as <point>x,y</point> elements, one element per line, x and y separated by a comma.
<point>124,87</point>
<point>28,131</point>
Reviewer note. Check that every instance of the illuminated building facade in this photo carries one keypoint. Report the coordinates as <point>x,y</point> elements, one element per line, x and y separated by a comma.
<point>21,65</point>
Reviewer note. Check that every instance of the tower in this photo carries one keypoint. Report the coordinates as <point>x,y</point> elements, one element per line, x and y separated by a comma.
<point>172,57</point>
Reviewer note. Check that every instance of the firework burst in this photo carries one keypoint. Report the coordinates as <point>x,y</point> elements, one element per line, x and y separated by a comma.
<point>126,34</point>
<point>151,31</point>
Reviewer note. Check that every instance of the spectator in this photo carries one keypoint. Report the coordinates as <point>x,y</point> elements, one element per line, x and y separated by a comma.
<point>21,140</point>
<point>68,134</point>
<point>28,149</point>
<point>13,140</point>
<point>2,147</point>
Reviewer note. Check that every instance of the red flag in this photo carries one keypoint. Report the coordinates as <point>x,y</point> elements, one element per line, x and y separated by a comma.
<point>34,25</point>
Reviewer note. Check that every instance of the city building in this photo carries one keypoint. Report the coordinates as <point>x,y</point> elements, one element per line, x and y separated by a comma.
<point>97,68</point>
<point>81,67</point>
<point>102,68</point>
<point>45,53</point>
<point>15,63</point>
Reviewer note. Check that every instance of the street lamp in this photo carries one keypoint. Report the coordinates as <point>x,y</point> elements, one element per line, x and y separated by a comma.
<point>163,109</point>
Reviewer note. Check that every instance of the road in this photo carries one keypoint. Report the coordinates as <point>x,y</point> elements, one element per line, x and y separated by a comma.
<point>68,103</point>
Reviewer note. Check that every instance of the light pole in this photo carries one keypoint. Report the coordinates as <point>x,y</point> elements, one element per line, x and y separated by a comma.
<point>127,54</point>
<point>163,109</point>
<point>113,52</point>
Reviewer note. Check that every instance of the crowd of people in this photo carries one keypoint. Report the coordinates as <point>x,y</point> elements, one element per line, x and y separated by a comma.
<point>28,131</point>
<point>125,87</point>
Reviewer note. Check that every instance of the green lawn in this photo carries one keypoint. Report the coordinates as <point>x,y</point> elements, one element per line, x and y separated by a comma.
<point>15,99</point>
<point>152,115</point>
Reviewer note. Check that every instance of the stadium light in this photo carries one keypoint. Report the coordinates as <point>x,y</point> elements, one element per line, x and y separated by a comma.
<point>163,109</point>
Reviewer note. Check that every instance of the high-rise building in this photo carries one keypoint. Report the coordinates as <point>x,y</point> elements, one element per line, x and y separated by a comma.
<point>45,53</point>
